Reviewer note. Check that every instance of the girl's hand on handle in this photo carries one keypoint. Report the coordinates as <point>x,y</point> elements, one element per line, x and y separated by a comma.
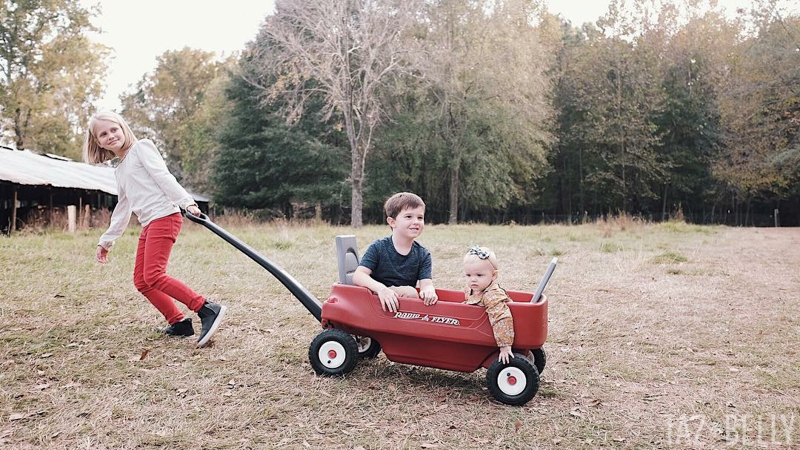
<point>193,210</point>
<point>101,254</point>
<point>505,354</point>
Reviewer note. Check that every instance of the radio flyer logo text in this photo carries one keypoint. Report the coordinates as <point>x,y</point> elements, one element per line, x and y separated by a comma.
<point>427,318</point>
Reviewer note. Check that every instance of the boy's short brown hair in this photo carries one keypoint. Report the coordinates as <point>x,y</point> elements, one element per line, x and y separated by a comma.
<point>400,201</point>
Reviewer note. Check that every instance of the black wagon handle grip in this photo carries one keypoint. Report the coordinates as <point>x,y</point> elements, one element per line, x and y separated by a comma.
<point>201,219</point>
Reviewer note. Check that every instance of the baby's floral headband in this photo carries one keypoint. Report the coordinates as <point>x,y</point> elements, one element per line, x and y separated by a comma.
<point>475,250</point>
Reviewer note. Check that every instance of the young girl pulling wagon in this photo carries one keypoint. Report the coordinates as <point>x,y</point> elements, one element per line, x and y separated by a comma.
<point>147,188</point>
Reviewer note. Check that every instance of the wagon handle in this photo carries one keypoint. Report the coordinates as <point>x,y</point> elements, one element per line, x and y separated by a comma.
<point>201,219</point>
<point>305,297</point>
<point>545,279</point>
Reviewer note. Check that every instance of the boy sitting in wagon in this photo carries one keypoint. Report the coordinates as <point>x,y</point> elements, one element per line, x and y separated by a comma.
<point>393,265</point>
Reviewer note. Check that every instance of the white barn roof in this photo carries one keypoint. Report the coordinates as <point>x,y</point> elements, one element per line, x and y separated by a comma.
<point>25,167</point>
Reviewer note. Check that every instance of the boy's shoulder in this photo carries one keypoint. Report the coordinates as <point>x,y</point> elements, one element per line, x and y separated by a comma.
<point>382,242</point>
<point>419,247</point>
<point>386,243</point>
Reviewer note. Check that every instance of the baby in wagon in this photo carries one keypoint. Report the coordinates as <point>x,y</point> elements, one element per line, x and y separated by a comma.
<point>480,270</point>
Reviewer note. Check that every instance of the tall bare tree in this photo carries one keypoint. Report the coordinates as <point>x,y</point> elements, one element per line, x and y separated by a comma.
<point>342,50</point>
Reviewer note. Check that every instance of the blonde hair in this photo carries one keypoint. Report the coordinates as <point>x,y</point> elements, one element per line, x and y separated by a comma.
<point>398,202</point>
<point>475,253</point>
<point>92,152</point>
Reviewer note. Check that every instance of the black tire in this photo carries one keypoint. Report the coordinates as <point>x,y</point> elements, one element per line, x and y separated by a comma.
<point>333,352</point>
<point>539,359</point>
<point>368,348</point>
<point>514,383</point>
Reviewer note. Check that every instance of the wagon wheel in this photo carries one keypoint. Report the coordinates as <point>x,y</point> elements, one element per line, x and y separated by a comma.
<point>539,359</point>
<point>367,347</point>
<point>514,383</point>
<point>333,352</point>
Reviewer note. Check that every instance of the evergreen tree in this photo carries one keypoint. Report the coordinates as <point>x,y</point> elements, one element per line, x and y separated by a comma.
<point>610,98</point>
<point>690,122</point>
<point>264,163</point>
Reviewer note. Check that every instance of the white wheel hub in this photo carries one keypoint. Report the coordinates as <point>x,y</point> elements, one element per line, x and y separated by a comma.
<point>331,354</point>
<point>363,343</point>
<point>511,381</point>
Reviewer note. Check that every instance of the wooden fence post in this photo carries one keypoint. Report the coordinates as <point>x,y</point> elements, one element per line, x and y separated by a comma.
<point>13,226</point>
<point>777,218</point>
<point>71,216</point>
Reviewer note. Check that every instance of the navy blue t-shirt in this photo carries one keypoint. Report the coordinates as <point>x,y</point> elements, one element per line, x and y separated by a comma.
<point>392,268</point>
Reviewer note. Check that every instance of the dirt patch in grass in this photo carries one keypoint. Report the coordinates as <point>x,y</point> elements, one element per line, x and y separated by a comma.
<point>682,353</point>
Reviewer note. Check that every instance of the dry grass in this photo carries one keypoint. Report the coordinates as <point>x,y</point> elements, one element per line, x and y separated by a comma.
<point>44,219</point>
<point>645,350</point>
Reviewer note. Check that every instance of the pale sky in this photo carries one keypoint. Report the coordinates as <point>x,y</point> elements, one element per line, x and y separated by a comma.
<point>140,31</point>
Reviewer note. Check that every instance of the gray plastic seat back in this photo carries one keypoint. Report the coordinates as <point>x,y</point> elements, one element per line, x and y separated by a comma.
<point>347,257</point>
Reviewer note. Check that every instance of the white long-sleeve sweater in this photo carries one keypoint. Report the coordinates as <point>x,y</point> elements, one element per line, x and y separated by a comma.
<point>144,187</point>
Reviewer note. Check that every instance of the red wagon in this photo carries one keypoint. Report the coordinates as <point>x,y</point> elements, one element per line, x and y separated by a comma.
<point>449,335</point>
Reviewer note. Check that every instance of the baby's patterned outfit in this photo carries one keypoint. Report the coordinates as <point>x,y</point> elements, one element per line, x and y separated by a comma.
<point>494,299</point>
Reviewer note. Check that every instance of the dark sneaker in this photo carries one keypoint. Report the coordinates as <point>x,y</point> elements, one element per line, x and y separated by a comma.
<point>182,328</point>
<point>211,315</point>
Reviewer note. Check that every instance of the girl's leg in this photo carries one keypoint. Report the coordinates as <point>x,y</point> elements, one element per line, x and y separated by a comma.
<point>160,300</point>
<point>161,235</point>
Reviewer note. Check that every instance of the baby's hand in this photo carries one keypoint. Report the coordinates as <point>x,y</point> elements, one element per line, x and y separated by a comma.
<point>429,296</point>
<point>505,354</point>
<point>388,299</point>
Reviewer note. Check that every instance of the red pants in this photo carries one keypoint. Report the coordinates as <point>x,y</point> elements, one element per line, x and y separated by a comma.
<point>150,272</point>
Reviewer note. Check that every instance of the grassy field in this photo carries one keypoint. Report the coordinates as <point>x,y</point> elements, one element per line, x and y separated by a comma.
<point>661,336</point>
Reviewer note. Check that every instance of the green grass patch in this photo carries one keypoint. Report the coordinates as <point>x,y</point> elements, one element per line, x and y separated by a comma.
<point>670,257</point>
<point>281,245</point>
<point>610,247</point>
<point>683,227</point>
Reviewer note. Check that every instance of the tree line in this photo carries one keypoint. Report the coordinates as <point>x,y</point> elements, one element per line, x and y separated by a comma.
<point>491,110</point>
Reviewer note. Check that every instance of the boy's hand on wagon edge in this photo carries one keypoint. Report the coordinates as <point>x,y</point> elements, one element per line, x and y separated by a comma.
<point>193,210</point>
<point>388,299</point>
<point>101,254</point>
<point>429,296</point>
